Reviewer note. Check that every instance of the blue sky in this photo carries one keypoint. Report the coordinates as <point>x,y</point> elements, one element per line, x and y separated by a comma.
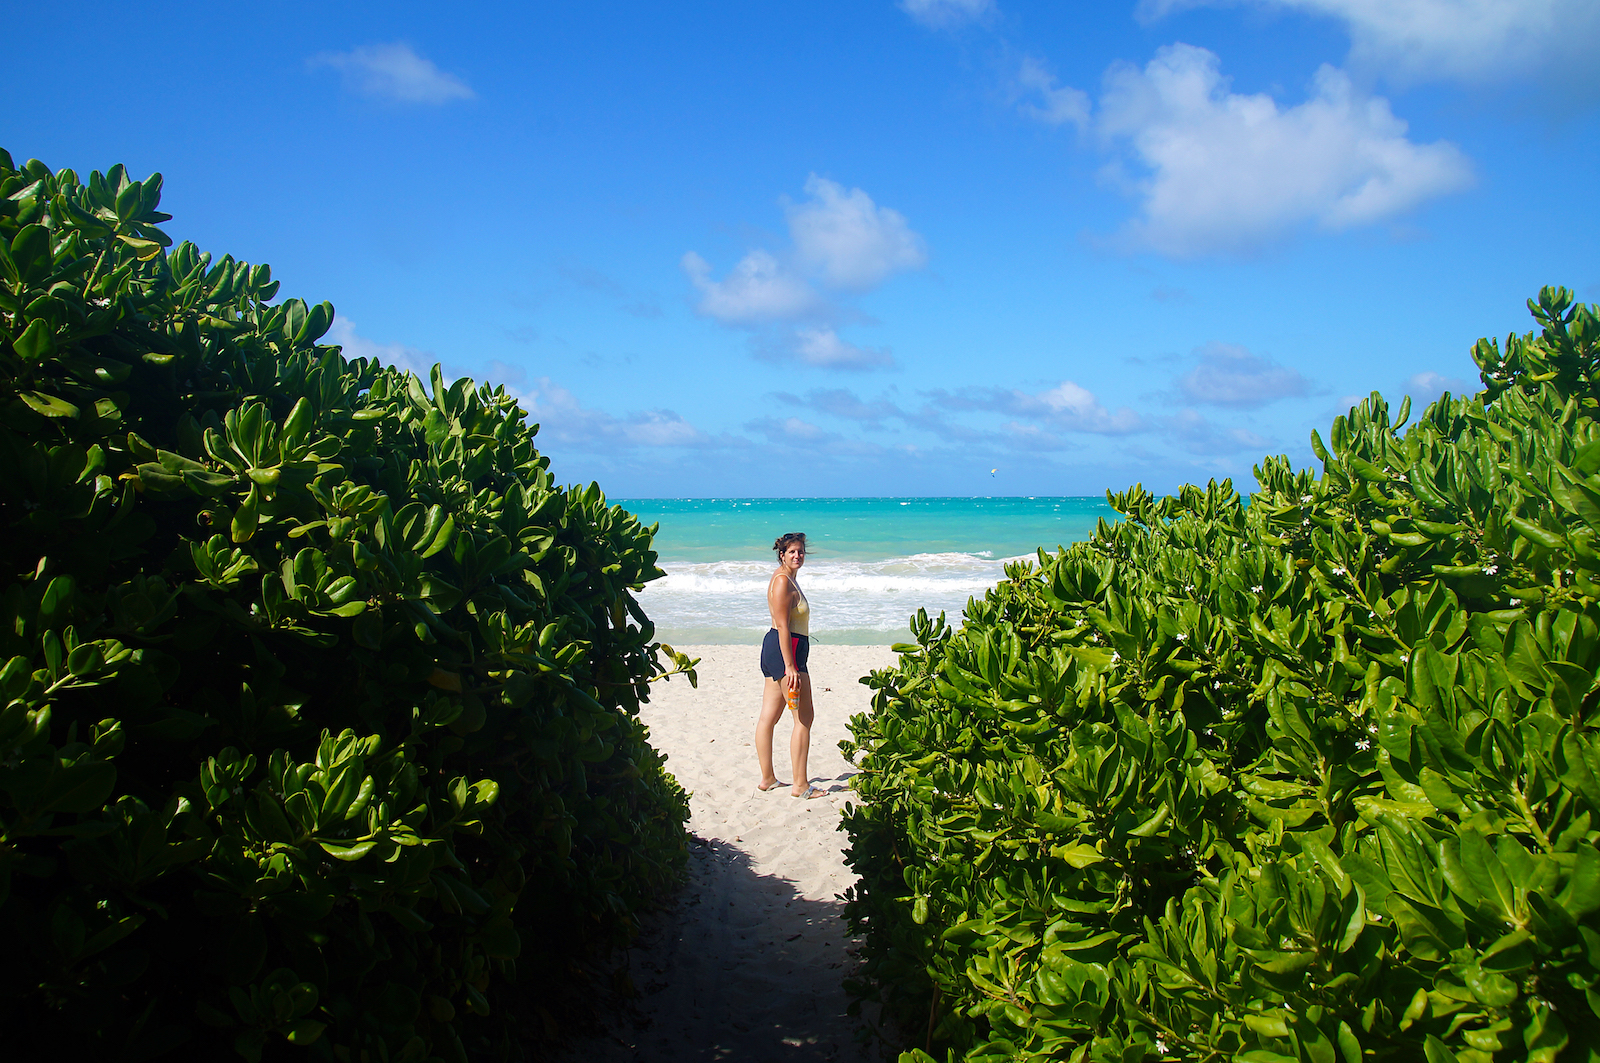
<point>871,247</point>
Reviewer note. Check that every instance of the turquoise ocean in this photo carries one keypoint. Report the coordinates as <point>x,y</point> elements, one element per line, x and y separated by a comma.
<point>872,562</point>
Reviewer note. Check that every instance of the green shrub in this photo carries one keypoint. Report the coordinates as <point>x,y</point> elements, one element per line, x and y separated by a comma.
<point>320,699</point>
<point>1312,778</point>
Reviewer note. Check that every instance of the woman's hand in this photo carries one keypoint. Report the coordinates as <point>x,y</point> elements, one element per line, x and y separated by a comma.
<point>791,677</point>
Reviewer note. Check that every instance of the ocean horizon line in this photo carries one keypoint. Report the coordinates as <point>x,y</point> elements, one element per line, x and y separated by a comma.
<point>826,498</point>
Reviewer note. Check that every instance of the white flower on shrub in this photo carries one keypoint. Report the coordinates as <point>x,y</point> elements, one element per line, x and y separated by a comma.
<point>1489,570</point>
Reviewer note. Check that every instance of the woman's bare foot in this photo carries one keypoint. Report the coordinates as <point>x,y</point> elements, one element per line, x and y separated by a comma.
<point>768,784</point>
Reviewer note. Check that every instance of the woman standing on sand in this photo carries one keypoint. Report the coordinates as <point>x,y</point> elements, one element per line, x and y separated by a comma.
<point>783,662</point>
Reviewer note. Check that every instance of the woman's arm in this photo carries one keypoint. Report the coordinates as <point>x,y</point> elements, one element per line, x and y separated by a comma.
<point>780,597</point>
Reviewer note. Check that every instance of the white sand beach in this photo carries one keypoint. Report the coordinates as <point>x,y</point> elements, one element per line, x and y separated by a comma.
<point>746,964</point>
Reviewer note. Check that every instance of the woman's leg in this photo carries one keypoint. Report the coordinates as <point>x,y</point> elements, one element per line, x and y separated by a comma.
<point>771,709</point>
<point>800,740</point>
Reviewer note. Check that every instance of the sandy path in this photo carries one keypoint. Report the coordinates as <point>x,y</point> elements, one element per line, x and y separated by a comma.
<point>747,963</point>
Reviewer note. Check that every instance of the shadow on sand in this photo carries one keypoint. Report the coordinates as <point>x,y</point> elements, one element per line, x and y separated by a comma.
<point>739,966</point>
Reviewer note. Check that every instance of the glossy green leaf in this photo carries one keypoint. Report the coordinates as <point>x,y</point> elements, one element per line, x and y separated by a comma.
<point>247,516</point>
<point>48,405</point>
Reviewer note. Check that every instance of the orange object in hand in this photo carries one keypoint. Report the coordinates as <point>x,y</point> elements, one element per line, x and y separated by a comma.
<point>792,697</point>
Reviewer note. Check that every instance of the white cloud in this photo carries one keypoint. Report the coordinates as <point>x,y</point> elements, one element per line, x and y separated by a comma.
<point>843,242</point>
<point>1431,385</point>
<point>1067,407</point>
<point>823,347</point>
<point>662,428</point>
<point>759,289</point>
<point>843,245</point>
<point>848,241</point>
<point>1199,436</point>
<point>563,419</point>
<point>1229,375</point>
<point>790,430</point>
<point>1031,437</point>
<point>946,14</point>
<point>845,404</point>
<point>1230,172</point>
<point>1056,105</point>
<point>1472,41</point>
<point>814,439</point>
<point>561,416</point>
<point>408,359</point>
<point>1075,408</point>
<point>394,72</point>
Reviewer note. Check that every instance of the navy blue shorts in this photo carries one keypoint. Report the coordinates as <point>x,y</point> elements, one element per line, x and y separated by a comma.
<point>772,655</point>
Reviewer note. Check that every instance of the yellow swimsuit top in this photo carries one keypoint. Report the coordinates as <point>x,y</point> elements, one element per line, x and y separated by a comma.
<point>800,613</point>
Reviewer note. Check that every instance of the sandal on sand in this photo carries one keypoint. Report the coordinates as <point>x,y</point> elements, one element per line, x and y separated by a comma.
<point>811,794</point>
<point>776,785</point>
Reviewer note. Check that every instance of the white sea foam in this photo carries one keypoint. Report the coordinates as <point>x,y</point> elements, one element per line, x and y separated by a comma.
<point>849,599</point>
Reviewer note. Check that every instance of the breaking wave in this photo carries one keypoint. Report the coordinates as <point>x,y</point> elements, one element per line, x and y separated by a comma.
<point>850,600</point>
